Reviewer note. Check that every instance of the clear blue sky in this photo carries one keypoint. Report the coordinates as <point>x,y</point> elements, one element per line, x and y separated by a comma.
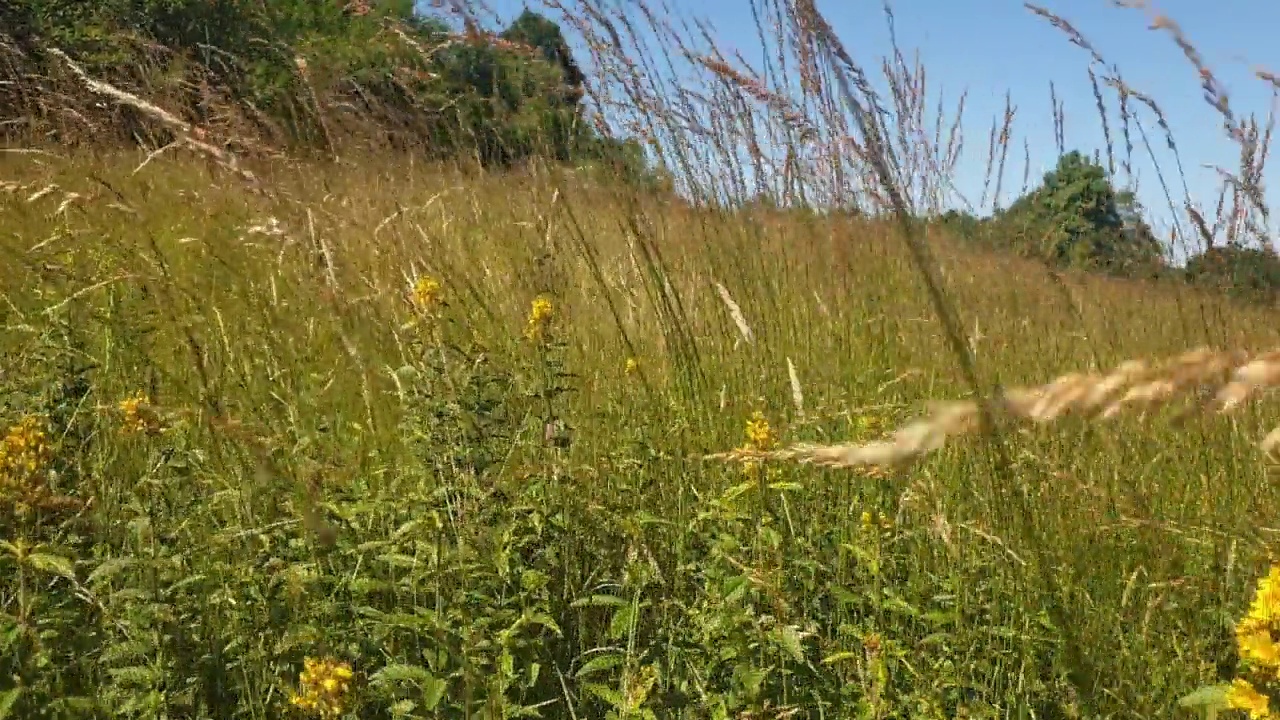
<point>989,47</point>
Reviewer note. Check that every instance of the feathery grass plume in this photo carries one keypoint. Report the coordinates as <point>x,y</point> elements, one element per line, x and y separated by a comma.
<point>735,312</point>
<point>797,394</point>
<point>1223,380</point>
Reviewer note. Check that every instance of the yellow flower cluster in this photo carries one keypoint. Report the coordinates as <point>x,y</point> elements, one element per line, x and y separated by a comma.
<point>632,366</point>
<point>1257,646</point>
<point>24,451</point>
<point>539,317</point>
<point>1244,696</point>
<point>873,520</point>
<point>760,436</point>
<point>759,433</point>
<point>139,415</point>
<point>323,687</point>
<point>427,294</point>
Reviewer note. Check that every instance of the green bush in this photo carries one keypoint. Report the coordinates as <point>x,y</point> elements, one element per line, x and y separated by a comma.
<point>1243,272</point>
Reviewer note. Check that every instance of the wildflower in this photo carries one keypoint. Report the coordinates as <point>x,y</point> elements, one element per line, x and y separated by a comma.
<point>139,415</point>
<point>539,316</point>
<point>1254,637</point>
<point>632,367</point>
<point>760,438</point>
<point>426,293</point>
<point>24,451</point>
<point>1244,696</point>
<point>759,434</point>
<point>323,687</point>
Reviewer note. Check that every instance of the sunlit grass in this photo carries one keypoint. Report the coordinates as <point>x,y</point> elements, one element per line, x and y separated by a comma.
<point>449,429</point>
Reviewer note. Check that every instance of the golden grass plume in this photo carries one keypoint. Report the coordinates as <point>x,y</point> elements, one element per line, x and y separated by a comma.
<point>1214,380</point>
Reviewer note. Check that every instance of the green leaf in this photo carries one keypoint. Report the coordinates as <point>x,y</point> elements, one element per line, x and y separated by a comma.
<point>788,638</point>
<point>737,490</point>
<point>53,564</point>
<point>399,672</point>
<point>834,658</point>
<point>433,692</point>
<point>398,560</point>
<point>8,699</point>
<point>431,687</point>
<point>622,621</point>
<point>137,676</point>
<point>607,694</point>
<point>109,568</point>
<point>184,582</point>
<point>1211,700</point>
<point>598,601</point>
<point>600,663</point>
<point>545,621</point>
<point>402,708</point>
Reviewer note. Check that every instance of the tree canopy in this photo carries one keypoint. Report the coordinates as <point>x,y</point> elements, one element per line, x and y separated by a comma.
<point>1077,218</point>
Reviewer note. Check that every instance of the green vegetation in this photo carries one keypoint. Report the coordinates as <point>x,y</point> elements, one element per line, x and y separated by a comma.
<point>396,400</point>
<point>305,74</point>
<point>1077,219</point>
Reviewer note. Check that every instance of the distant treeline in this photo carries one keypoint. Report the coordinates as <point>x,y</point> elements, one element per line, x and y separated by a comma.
<point>1076,218</point>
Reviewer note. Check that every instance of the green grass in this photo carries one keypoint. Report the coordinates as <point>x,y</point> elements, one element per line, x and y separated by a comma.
<point>486,526</point>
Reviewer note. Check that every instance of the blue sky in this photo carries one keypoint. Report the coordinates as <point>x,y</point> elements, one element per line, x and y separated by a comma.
<point>988,47</point>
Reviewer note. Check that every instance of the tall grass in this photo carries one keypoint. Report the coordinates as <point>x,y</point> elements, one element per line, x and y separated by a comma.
<point>313,415</point>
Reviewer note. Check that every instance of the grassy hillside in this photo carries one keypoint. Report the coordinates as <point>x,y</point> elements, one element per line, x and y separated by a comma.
<point>320,422</point>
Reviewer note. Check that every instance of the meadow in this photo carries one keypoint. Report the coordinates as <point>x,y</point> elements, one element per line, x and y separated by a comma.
<point>329,423</point>
<point>372,436</point>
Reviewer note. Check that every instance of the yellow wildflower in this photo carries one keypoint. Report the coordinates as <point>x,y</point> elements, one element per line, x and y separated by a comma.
<point>323,687</point>
<point>1266,600</point>
<point>139,415</point>
<point>426,293</point>
<point>759,434</point>
<point>1256,646</point>
<point>759,437</point>
<point>539,316</point>
<point>632,366</point>
<point>1244,696</point>
<point>1255,638</point>
<point>24,451</point>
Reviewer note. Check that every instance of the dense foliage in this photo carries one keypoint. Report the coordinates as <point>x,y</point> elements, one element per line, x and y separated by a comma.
<point>307,74</point>
<point>1244,272</point>
<point>1074,218</point>
<point>1077,218</point>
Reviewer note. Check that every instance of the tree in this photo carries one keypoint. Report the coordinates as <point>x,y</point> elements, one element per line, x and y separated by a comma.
<point>1139,251</point>
<point>537,31</point>
<point>964,225</point>
<point>1077,218</point>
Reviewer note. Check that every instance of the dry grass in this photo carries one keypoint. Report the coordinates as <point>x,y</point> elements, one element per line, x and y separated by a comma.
<point>1222,380</point>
